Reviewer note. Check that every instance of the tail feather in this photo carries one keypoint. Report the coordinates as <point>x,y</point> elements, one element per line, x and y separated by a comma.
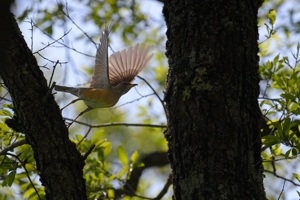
<point>71,90</point>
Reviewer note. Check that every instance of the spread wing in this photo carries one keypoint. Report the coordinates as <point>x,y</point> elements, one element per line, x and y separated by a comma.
<point>125,65</point>
<point>100,77</point>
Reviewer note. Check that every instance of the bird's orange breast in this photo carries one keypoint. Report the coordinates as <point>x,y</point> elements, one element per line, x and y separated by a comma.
<point>99,98</point>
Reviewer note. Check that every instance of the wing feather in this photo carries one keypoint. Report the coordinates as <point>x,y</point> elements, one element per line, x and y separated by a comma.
<point>100,77</point>
<point>125,65</point>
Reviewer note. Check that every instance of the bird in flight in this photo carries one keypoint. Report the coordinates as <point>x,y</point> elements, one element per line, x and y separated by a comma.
<point>112,76</point>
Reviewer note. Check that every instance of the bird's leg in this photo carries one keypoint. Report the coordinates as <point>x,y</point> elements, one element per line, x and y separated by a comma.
<point>70,104</point>
<point>86,110</point>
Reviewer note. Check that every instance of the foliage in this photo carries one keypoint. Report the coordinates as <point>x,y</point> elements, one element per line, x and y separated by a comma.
<point>279,100</point>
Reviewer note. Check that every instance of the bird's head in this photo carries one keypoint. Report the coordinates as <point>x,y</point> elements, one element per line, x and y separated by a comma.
<point>124,87</point>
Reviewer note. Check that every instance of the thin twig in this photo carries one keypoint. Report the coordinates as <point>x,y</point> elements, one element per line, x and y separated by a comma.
<point>4,97</point>
<point>50,60</point>
<point>49,44</point>
<point>129,124</point>
<point>119,124</point>
<point>12,146</point>
<point>112,124</point>
<point>49,92</point>
<point>52,74</point>
<point>281,159</point>
<point>154,91</point>
<point>88,152</point>
<point>165,188</point>
<point>281,190</point>
<point>87,133</point>
<point>27,173</point>
<point>128,102</point>
<point>31,30</point>
<point>67,15</point>
<point>281,177</point>
<point>64,45</point>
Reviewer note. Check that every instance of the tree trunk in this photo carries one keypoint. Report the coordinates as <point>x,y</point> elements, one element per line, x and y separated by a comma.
<point>212,90</point>
<point>38,116</point>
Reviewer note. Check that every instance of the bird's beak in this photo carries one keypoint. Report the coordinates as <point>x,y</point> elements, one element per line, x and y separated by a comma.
<point>132,85</point>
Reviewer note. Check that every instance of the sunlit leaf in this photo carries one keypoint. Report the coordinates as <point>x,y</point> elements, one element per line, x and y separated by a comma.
<point>112,177</point>
<point>5,113</point>
<point>10,106</point>
<point>272,16</point>
<point>8,181</point>
<point>107,147</point>
<point>28,193</point>
<point>287,154</point>
<point>123,171</point>
<point>297,176</point>
<point>134,157</point>
<point>122,155</point>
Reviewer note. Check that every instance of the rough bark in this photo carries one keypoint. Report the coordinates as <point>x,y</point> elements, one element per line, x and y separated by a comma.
<point>38,116</point>
<point>211,96</point>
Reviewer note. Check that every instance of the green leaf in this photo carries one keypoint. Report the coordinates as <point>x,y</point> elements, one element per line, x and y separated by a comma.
<point>107,146</point>
<point>267,103</point>
<point>138,165</point>
<point>134,157</point>
<point>275,60</point>
<point>122,155</point>
<point>288,96</point>
<point>49,29</point>
<point>286,125</point>
<point>272,16</point>
<point>10,106</point>
<point>5,113</point>
<point>123,171</point>
<point>9,179</point>
<point>295,108</point>
<point>297,176</point>
<point>270,140</point>
<point>95,138</point>
<point>112,177</point>
<point>78,137</point>
<point>269,65</point>
<point>111,194</point>
<point>294,152</point>
<point>287,154</point>
<point>30,192</point>
<point>4,128</point>
<point>278,152</point>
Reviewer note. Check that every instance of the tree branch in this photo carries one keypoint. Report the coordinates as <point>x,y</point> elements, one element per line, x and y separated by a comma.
<point>12,146</point>
<point>165,188</point>
<point>119,124</point>
<point>154,91</point>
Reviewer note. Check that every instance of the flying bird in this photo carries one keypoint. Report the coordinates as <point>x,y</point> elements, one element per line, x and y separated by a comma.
<point>112,76</point>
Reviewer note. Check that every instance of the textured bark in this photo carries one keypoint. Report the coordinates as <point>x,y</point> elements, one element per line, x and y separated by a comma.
<point>212,90</point>
<point>38,116</point>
